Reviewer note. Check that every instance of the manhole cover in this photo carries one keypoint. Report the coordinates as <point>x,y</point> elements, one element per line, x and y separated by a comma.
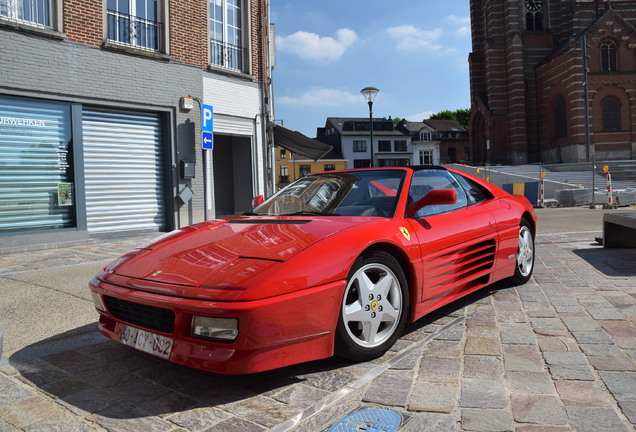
<point>369,420</point>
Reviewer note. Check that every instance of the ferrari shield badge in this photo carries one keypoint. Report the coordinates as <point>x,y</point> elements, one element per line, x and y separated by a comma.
<point>405,233</point>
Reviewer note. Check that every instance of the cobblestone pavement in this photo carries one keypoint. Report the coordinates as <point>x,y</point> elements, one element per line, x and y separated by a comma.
<point>93,251</point>
<point>557,354</point>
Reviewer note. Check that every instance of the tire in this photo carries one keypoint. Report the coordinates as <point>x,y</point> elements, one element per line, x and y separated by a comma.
<point>374,308</point>
<point>525,255</point>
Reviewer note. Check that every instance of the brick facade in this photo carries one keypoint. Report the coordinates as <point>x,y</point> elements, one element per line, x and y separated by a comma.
<point>189,38</point>
<point>188,30</point>
<point>84,21</point>
<point>517,74</point>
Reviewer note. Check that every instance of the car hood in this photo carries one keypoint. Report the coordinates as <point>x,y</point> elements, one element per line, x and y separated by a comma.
<point>191,256</point>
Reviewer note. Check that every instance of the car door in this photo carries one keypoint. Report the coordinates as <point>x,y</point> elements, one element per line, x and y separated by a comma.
<point>457,241</point>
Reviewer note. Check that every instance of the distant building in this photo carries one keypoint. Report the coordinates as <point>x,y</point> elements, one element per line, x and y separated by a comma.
<point>298,155</point>
<point>454,144</point>
<point>437,141</point>
<point>540,69</point>
<point>351,138</point>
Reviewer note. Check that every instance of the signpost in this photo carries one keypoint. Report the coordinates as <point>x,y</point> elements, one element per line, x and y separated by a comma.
<point>207,127</point>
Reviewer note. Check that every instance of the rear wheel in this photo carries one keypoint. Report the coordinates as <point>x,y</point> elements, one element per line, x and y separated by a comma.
<point>525,255</point>
<point>374,308</point>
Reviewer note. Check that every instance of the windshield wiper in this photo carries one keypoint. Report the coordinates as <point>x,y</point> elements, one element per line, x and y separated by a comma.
<point>249,213</point>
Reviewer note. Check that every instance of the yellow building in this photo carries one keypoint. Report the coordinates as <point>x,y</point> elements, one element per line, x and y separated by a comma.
<point>298,155</point>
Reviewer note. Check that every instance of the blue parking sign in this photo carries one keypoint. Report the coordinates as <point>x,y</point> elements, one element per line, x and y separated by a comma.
<point>207,118</point>
<point>207,140</point>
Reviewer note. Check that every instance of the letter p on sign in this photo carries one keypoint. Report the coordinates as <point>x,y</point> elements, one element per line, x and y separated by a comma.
<point>207,118</point>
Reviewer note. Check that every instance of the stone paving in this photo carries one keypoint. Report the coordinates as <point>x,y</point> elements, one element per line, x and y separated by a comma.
<point>557,354</point>
<point>92,251</point>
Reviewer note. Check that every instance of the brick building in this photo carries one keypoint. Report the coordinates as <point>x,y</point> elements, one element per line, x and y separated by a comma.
<point>553,80</point>
<point>100,118</point>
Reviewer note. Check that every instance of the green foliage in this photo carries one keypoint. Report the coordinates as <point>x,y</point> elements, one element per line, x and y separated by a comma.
<point>461,116</point>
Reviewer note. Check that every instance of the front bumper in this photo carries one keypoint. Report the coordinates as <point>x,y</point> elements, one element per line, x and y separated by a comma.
<point>273,332</point>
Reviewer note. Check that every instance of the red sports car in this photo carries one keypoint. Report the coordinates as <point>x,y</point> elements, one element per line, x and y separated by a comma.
<point>336,262</point>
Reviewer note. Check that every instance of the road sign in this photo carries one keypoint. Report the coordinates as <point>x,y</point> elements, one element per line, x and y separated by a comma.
<point>207,118</point>
<point>207,140</point>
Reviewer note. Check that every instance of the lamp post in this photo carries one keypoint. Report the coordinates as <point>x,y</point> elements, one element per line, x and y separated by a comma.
<point>369,94</point>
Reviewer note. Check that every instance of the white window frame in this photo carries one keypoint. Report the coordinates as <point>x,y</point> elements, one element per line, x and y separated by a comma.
<point>160,22</point>
<point>426,154</point>
<point>10,10</point>
<point>223,53</point>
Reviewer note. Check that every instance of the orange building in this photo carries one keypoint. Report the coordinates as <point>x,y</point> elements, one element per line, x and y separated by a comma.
<point>297,155</point>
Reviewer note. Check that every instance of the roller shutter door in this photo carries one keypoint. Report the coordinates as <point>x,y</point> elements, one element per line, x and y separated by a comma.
<point>123,171</point>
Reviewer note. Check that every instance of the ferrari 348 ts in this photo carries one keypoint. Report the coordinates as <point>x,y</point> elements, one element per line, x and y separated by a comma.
<point>335,263</point>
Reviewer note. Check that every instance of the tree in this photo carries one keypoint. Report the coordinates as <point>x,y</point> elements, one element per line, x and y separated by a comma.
<point>461,116</point>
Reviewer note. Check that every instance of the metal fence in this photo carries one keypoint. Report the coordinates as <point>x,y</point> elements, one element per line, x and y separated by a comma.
<point>227,55</point>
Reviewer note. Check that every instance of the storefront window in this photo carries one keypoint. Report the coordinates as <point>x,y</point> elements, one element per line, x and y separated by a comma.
<point>36,173</point>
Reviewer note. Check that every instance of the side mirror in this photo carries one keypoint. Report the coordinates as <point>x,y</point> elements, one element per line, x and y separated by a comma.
<point>433,197</point>
<point>258,200</point>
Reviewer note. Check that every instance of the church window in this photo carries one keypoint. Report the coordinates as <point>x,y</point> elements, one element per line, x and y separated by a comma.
<point>559,116</point>
<point>611,109</point>
<point>608,56</point>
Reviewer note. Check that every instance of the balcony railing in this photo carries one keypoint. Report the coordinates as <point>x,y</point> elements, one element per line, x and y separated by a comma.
<point>228,56</point>
<point>134,31</point>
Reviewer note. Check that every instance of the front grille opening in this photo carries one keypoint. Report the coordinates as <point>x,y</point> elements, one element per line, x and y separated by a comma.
<point>149,317</point>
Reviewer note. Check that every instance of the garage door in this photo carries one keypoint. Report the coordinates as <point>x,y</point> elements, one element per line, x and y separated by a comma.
<point>123,171</point>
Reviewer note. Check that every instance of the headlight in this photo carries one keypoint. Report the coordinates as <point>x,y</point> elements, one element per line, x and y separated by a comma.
<point>97,300</point>
<point>223,329</point>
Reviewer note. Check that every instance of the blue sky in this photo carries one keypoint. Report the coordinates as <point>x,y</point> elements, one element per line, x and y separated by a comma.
<point>414,51</point>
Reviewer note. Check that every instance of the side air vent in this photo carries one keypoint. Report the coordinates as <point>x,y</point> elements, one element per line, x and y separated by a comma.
<point>464,267</point>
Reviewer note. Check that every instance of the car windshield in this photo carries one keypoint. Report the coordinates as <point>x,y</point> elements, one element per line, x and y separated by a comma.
<point>353,193</point>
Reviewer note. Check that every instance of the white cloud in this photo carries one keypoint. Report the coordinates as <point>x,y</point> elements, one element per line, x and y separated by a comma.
<point>409,37</point>
<point>463,24</point>
<point>421,116</point>
<point>321,97</point>
<point>314,47</point>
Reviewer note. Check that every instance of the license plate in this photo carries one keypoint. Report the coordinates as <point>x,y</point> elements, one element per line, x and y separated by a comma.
<point>147,342</point>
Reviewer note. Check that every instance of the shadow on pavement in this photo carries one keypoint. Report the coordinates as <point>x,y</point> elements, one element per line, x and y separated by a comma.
<point>609,261</point>
<point>108,383</point>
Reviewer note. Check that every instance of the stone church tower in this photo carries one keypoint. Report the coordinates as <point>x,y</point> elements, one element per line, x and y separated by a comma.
<point>553,81</point>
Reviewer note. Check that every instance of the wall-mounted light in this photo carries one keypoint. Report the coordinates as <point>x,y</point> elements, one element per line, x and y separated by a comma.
<point>187,103</point>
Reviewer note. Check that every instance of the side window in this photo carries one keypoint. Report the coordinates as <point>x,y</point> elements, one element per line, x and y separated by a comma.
<point>476,192</point>
<point>426,180</point>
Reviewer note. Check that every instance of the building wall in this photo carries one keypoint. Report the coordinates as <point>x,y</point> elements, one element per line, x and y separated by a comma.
<point>430,146</point>
<point>74,62</point>
<point>516,73</point>
<point>563,76</point>
<point>54,69</point>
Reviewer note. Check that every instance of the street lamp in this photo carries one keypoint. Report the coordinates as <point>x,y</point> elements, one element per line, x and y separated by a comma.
<point>369,94</point>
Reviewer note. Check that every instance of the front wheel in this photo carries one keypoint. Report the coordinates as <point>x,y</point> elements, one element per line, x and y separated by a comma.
<point>374,308</point>
<point>525,255</point>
